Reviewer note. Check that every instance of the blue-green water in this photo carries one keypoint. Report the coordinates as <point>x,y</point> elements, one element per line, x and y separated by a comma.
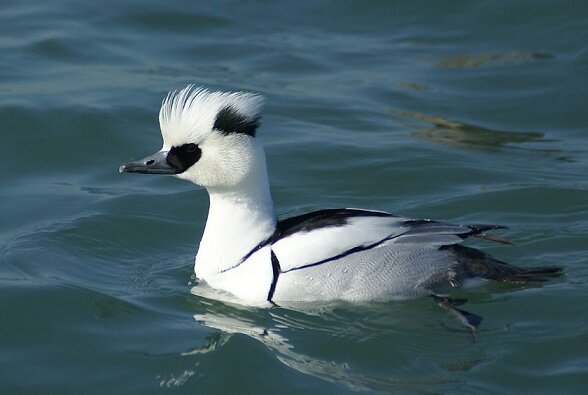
<point>468,112</point>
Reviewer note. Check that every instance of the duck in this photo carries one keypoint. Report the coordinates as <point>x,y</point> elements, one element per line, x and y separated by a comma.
<point>347,254</point>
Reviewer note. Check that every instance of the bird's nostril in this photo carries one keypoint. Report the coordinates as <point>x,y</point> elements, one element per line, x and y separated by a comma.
<point>150,162</point>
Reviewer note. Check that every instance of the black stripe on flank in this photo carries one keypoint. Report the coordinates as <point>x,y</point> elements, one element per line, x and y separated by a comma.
<point>229,120</point>
<point>276,271</point>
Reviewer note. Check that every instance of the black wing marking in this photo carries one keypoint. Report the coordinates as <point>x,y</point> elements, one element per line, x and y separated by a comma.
<point>400,230</point>
<point>312,221</point>
<point>321,219</point>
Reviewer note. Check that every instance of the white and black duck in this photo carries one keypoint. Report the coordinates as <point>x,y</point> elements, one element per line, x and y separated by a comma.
<point>333,254</point>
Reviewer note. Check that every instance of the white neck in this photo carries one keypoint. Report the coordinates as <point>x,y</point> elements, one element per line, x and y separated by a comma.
<point>239,218</point>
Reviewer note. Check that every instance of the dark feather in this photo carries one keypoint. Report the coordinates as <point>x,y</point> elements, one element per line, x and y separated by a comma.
<point>321,219</point>
<point>476,263</point>
<point>229,120</point>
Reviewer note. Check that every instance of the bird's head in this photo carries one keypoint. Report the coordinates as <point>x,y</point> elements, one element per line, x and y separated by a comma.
<point>208,138</point>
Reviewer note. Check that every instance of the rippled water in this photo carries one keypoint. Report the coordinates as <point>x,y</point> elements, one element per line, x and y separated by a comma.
<point>464,112</point>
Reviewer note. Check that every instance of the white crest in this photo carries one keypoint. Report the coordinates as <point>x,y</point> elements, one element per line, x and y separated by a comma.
<point>188,115</point>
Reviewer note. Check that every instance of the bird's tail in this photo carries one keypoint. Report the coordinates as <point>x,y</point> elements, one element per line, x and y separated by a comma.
<point>479,264</point>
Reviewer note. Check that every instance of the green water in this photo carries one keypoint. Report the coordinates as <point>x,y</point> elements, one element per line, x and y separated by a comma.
<point>470,112</point>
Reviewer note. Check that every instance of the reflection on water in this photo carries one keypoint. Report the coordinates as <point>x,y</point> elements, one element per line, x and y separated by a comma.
<point>274,339</point>
<point>285,330</point>
<point>413,86</point>
<point>456,133</point>
<point>274,336</point>
<point>490,59</point>
<point>271,329</point>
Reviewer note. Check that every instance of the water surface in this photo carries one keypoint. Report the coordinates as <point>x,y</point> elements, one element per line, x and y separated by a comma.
<point>465,112</point>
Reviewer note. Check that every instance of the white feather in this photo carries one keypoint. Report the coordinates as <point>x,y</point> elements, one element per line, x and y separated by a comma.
<point>188,115</point>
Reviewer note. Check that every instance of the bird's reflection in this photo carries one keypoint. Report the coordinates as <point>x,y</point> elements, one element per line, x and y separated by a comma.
<point>285,329</point>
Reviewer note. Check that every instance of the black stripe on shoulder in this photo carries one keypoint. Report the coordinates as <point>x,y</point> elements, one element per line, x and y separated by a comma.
<point>320,219</point>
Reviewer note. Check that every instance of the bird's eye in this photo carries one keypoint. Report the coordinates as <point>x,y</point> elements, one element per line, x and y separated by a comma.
<point>181,158</point>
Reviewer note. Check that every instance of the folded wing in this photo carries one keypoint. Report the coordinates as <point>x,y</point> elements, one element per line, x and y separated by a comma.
<point>319,237</point>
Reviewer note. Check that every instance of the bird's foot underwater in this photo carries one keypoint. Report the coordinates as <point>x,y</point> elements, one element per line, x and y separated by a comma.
<point>467,319</point>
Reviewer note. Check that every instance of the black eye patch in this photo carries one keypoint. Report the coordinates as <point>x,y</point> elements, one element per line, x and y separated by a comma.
<point>182,157</point>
